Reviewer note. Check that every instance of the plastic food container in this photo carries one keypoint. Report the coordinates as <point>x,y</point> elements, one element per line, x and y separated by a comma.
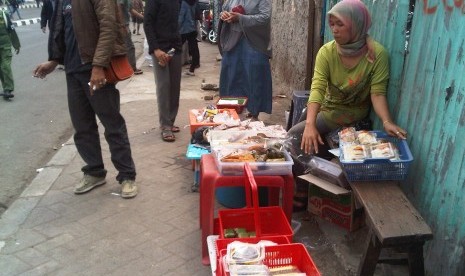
<point>237,103</point>
<point>258,168</point>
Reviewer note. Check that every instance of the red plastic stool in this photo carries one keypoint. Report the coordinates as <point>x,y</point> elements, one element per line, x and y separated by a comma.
<point>211,178</point>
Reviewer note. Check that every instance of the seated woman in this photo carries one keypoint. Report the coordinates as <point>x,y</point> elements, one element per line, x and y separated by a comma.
<point>351,74</point>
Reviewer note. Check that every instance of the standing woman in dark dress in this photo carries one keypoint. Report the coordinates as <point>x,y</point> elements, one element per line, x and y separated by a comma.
<point>246,49</point>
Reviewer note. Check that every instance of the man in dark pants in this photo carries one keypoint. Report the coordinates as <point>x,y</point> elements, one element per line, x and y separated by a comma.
<point>162,32</point>
<point>126,10</point>
<point>85,45</point>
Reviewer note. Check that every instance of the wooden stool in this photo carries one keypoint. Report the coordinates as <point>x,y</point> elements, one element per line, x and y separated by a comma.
<point>211,178</point>
<point>393,222</point>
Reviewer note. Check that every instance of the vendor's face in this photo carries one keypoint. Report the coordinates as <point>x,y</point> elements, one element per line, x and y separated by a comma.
<point>341,32</point>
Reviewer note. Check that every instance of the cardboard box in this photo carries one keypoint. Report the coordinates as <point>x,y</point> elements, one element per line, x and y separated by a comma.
<point>333,203</point>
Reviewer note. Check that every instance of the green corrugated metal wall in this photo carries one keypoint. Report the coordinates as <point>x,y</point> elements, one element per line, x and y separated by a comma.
<point>427,97</point>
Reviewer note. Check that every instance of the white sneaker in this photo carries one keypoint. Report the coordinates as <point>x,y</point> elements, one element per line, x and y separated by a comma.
<point>189,73</point>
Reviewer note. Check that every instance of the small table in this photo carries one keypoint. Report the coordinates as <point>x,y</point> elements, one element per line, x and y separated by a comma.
<point>194,152</point>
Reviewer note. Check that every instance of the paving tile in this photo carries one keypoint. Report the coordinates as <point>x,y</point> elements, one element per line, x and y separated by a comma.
<point>54,242</point>
<point>11,265</point>
<point>39,215</point>
<point>22,239</point>
<point>43,269</point>
<point>32,256</point>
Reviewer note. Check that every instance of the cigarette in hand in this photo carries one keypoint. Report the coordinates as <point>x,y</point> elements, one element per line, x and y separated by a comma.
<point>93,87</point>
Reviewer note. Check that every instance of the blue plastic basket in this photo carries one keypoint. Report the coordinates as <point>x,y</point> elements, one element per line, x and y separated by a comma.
<point>378,169</point>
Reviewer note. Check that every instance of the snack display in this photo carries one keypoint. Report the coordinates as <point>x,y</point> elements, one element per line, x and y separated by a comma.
<point>388,159</point>
<point>263,160</point>
<point>365,146</point>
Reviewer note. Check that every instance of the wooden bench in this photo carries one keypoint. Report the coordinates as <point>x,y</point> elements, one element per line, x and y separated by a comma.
<point>393,223</point>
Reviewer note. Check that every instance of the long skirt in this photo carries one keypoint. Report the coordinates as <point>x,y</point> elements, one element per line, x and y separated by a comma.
<point>246,72</point>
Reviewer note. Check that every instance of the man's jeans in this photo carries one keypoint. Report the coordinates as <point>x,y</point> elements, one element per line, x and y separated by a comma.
<point>105,103</point>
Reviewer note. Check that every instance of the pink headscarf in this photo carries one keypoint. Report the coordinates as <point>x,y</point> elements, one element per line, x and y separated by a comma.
<point>355,15</point>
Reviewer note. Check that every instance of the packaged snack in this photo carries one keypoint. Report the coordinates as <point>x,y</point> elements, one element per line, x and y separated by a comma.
<point>259,270</point>
<point>347,135</point>
<point>365,137</point>
<point>382,150</point>
<point>244,253</point>
<point>355,152</point>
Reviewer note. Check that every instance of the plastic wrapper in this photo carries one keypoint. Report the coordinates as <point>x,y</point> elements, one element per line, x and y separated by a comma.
<point>239,270</point>
<point>328,171</point>
<point>244,253</point>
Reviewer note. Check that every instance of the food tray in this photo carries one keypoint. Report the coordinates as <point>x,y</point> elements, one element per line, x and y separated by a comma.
<point>378,169</point>
<point>239,107</point>
<point>258,168</point>
<point>195,125</point>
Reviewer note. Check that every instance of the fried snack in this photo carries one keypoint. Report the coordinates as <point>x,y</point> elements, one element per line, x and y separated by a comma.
<point>238,157</point>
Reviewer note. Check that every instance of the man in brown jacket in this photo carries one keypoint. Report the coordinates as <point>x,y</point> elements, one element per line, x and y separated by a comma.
<point>85,46</point>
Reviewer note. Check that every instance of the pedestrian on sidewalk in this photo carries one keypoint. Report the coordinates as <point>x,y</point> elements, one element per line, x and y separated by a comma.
<point>46,15</point>
<point>8,38</point>
<point>13,6</point>
<point>246,49</point>
<point>162,32</point>
<point>138,7</point>
<point>85,42</point>
<point>188,30</point>
<point>126,11</point>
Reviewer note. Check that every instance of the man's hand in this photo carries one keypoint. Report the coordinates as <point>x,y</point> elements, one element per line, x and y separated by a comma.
<point>162,57</point>
<point>43,69</point>
<point>230,17</point>
<point>17,51</point>
<point>97,79</point>
<point>43,30</point>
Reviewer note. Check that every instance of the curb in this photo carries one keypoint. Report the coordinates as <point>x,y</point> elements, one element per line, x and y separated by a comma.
<point>23,22</point>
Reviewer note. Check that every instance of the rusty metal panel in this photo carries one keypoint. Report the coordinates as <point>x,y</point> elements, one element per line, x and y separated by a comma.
<point>432,109</point>
<point>425,40</point>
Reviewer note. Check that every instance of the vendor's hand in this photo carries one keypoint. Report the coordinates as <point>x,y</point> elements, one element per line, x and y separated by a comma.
<point>310,140</point>
<point>394,130</point>
<point>97,79</point>
<point>162,57</point>
<point>17,51</point>
<point>44,69</point>
<point>43,29</point>
<point>230,17</point>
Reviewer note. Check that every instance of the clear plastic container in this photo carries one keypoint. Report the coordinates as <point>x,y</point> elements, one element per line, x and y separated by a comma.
<point>258,168</point>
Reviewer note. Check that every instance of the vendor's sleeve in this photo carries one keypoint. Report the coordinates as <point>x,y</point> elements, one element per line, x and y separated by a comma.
<point>320,78</point>
<point>381,73</point>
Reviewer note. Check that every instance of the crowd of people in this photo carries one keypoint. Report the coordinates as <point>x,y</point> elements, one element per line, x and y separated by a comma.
<point>350,76</point>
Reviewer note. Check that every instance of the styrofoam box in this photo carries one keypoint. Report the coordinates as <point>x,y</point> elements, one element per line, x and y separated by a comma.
<point>258,168</point>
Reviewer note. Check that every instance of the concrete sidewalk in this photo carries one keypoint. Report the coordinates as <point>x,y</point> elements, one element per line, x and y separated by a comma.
<point>49,230</point>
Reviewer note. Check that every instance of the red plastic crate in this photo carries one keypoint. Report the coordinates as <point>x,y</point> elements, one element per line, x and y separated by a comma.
<point>294,254</point>
<point>264,221</point>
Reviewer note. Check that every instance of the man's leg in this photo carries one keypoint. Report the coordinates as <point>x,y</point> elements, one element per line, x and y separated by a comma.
<point>6,73</point>
<point>132,53</point>
<point>86,136</point>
